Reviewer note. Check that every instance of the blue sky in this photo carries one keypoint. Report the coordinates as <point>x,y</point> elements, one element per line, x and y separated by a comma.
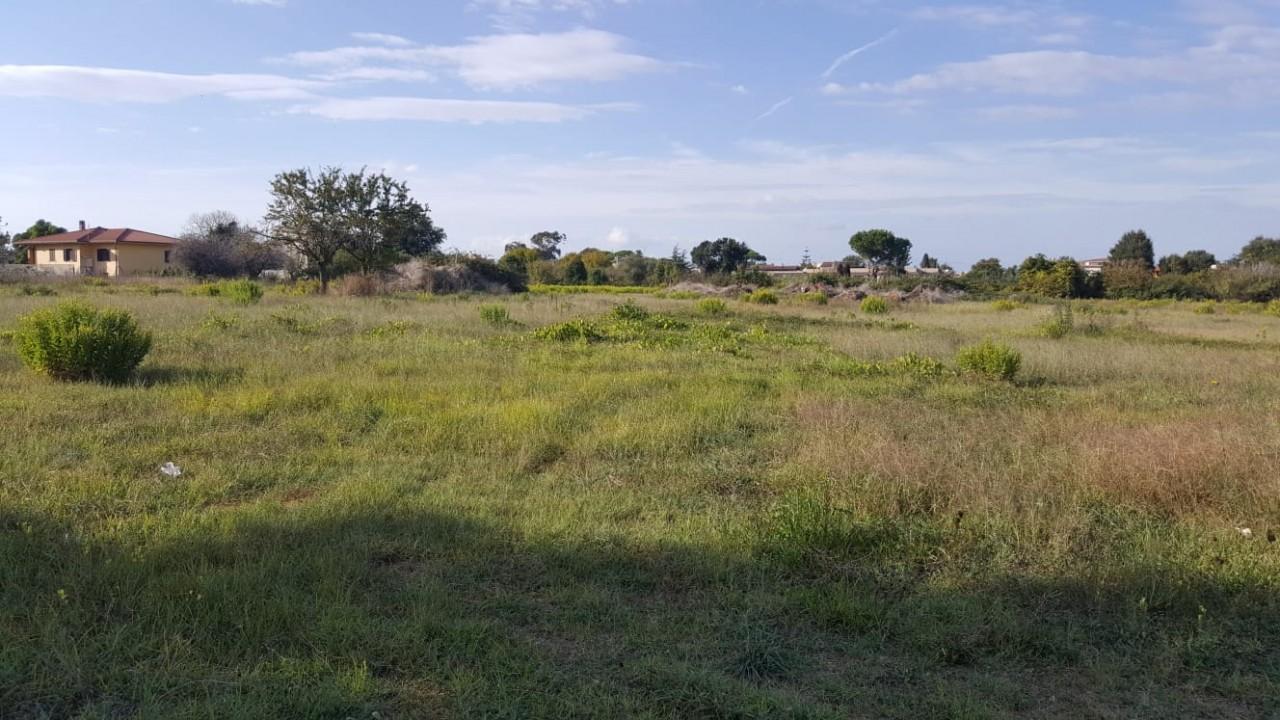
<point>975,129</point>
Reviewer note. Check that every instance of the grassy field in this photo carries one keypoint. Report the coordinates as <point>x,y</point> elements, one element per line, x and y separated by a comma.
<point>398,509</point>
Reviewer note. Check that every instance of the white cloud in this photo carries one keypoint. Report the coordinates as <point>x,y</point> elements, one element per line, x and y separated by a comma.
<point>380,74</point>
<point>1028,112</point>
<point>503,62</point>
<point>444,110</point>
<point>515,15</point>
<point>989,15</point>
<point>381,39</point>
<point>739,90</point>
<point>617,237</point>
<point>99,84</point>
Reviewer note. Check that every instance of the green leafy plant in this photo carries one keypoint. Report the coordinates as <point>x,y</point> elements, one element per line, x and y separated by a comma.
<point>1006,305</point>
<point>813,297</point>
<point>763,296</point>
<point>74,341</point>
<point>873,305</point>
<point>496,315</point>
<point>990,359</point>
<point>1206,308</point>
<point>241,292</point>
<point>713,307</point>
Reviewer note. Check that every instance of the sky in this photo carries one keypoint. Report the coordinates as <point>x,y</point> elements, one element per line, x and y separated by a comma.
<point>974,129</point>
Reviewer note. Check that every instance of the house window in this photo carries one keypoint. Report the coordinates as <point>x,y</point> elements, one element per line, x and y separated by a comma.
<point>104,255</point>
<point>53,255</point>
<point>68,255</point>
<point>166,255</point>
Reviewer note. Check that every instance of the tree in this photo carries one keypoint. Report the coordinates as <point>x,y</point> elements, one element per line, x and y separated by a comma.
<point>928,262</point>
<point>1035,263</point>
<point>1261,250</point>
<point>1134,246</point>
<point>854,261</point>
<point>725,255</point>
<point>371,218</point>
<point>40,228</point>
<point>575,271</point>
<point>680,259</point>
<point>547,243</point>
<point>1061,278</point>
<point>988,275</point>
<point>384,223</point>
<point>882,248</point>
<point>519,258</point>
<point>217,244</point>
<point>8,252</point>
<point>1193,262</point>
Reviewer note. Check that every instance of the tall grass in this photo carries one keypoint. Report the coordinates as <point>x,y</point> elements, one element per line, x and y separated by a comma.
<point>393,507</point>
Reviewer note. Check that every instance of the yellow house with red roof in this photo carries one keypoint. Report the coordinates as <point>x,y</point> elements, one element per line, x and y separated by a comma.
<point>110,252</point>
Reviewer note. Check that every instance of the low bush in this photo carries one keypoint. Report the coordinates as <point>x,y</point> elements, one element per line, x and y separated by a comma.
<point>813,297</point>
<point>361,285</point>
<point>990,359</point>
<point>74,341</point>
<point>763,296</point>
<point>712,307</point>
<point>1206,308</point>
<point>496,315</point>
<point>1006,305</point>
<point>36,290</point>
<point>874,305</point>
<point>1273,308</point>
<point>241,292</point>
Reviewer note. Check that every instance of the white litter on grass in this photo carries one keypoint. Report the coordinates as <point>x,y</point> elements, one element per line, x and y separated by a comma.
<point>171,470</point>
<point>1245,532</point>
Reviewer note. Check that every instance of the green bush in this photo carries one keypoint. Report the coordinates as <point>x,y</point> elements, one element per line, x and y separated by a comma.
<point>763,296</point>
<point>1005,305</point>
<point>1206,308</point>
<point>873,305</point>
<point>241,292</point>
<point>714,307</point>
<point>814,297</point>
<point>1273,308</point>
<point>74,341</point>
<point>990,359</point>
<point>496,315</point>
<point>629,311</point>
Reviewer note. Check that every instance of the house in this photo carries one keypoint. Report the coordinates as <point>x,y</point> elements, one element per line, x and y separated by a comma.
<point>782,271</point>
<point>112,252</point>
<point>1094,266</point>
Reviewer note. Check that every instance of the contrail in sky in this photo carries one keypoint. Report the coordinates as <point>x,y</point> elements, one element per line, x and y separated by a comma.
<point>776,107</point>
<point>856,52</point>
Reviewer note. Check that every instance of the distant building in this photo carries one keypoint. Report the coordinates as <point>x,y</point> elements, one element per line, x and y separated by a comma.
<point>112,252</point>
<point>782,271</point>
<point>1094,266</point>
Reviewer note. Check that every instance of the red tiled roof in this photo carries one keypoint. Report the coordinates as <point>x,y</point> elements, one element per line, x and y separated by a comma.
<point>101,236</point>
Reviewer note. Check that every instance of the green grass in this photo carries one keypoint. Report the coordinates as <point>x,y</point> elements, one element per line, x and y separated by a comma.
<point>400,507</point>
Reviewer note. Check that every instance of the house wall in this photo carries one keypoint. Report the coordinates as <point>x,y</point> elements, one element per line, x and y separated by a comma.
<point>139,259</point>
<point>57,265</point>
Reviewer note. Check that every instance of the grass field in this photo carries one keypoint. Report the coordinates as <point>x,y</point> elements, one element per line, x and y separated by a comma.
<point>398,509</point>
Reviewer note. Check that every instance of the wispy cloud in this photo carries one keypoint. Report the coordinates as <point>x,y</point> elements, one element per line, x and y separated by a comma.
<point>444,110</point>
<point>381,39</point>
<point>101,84</point>
<point>835,65</point>
<point>774,108</point>
<point>502,62</point>
<point>519,15</point>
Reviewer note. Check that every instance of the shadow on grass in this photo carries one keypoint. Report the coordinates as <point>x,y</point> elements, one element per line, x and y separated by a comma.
<point>345,611</point>
<point>153,375</point>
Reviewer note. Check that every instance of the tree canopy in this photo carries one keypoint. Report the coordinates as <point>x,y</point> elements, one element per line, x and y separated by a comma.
<point>1261,250</point>
<point>1134,246</point>
<point>882,248</point>
<point>369,217</point>
<point>217,244</point>
<point>725,255</point>
<point>1192,262</point>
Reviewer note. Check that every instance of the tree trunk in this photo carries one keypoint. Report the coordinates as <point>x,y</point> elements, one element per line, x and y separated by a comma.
<point>324,279</point>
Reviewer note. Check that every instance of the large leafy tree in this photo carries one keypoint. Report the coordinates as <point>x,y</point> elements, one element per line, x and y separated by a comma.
<point>882,248</point>
<point>370,217</point>
<point>38,229</point>
<point>547,243</point>
<point>1193,262</point>
<point>1134,247</point>
<point>725,255</point>
<point>1261,250</point>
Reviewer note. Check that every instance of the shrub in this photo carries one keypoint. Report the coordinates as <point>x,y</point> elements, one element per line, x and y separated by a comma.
<point>1061,324</point>
<point>763,296</point>
<point>873,305</point>
<point>300,288</point>
<point>629,311</point>
<point>1273,308</point>
<point>990,359</point>
<point>36,290</point>
<point>1005,305</point>
<point>496,315</point>
<point>1206,308</point>
<point>713,307</point>
<point>241,292</point>
<point>361,285</point>
<point>74,341</point>
<point>570,331</point>
<point>814,297</point>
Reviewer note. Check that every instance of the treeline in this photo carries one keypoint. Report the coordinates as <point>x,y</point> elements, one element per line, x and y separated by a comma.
<point>1132,271</point>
